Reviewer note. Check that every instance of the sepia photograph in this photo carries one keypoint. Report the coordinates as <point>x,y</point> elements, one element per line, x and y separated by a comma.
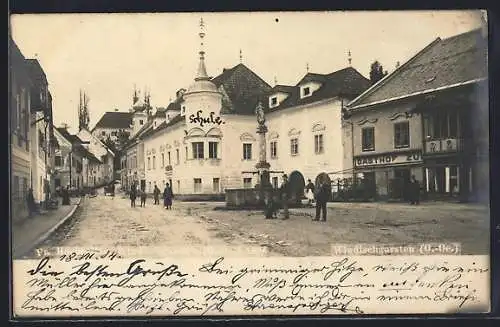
<point>249,163</point>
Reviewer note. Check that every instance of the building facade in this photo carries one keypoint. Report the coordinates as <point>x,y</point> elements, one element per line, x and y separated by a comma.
<point>428,119</point>
<point>42,149</point>
<point>19,109</point>
<point>112,124</point>
<point>105,158</point>
<point>208,142</point>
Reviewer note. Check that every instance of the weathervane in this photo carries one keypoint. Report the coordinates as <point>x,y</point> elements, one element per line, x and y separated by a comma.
<point>241,57</point>
<point>349,58</point>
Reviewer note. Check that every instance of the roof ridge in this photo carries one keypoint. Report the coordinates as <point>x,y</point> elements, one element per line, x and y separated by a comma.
<point>472,31</point>
<point>389,76</point>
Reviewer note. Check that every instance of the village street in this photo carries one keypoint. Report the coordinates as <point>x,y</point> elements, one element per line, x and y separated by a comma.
<point>201,228</point>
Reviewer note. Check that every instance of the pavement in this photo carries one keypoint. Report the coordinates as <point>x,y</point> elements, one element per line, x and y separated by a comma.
<point>30,232</point>
<point>196,229</point>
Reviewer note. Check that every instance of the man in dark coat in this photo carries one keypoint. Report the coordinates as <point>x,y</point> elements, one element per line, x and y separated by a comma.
<point>143,195</point>
<point>156,195</point>
<point>133,195</point>
<point>30,199</point>
<point>322,196</point>
<point>168,194</point>
<point>414,191</point>
<point>285,193</point>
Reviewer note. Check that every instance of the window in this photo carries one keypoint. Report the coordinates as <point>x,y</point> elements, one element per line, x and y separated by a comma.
<point>103,133</point>
<point>149,163</point>
<point>368,138</point>
<point>306,91</point>
<point>274,101</point>
<point>318,144</point>
<point>294,146</point>
<point>163,160</point>
<point>58,161</point>
<point>274,149</point>
<point>247,182</point>
<point>154,162</point>
<point>216,185</point>
<point>402,135</point>
<point>186,148</point>
<point>169,158</point>
<point>197,185</point>
<point>178,159</point>
<point>141,122</point>
<point>247,151</point>
<point>212,150</point>
<point>275,182</point>
<point>113,133</point>
<point>198,150</point>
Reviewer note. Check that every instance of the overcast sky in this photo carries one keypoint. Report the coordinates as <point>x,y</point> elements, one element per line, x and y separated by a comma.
<point>106,54</point>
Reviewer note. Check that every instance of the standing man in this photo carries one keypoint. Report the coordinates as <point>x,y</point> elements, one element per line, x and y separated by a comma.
<point>156,194</point>
<point>168,194</point>
<point>414,191</point>
<point>285,193</point>
<point>133,195</point>
<point>322,195</point>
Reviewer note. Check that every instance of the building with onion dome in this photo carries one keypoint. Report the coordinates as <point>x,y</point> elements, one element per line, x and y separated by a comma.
<point>207,142</point>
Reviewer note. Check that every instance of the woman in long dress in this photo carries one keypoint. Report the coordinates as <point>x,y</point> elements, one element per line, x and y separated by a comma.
<point>167,197</point>
<point>310,196</point>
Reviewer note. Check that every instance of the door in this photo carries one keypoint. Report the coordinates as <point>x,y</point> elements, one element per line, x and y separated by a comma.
<point>401,183</point>
<point>369,186</point>
<point>143,185</point>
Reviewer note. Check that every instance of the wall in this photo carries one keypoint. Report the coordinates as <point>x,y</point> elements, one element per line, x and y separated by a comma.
<point>380,118</point>
<point>296,122</point>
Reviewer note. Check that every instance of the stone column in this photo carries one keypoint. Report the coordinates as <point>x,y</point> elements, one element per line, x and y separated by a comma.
<point>262,166</point>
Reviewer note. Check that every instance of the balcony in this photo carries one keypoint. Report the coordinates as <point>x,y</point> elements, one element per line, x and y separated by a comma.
<point>440,146</point>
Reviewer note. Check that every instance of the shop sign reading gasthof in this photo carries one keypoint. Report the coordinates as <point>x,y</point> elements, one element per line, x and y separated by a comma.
<point>388,159</point>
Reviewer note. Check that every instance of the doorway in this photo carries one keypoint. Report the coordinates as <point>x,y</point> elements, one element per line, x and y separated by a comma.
<point>401,183</point>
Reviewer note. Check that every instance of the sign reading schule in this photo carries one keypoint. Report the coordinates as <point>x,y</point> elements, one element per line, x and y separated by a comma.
<point>388,159</point>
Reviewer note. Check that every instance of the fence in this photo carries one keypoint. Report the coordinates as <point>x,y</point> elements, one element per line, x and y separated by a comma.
<point>349,189</point>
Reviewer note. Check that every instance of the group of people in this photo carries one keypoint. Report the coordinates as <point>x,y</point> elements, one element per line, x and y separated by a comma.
<point>318,195</point>
<point>136,192</point>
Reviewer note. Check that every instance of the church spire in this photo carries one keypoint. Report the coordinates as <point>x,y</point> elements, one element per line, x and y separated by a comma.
<point>202,71</point>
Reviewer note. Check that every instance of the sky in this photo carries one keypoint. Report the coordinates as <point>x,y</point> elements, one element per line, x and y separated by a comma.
<point>107,54</point>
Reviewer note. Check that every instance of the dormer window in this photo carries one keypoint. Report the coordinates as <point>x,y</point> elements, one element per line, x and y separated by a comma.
<point>141,122</point>
<point>306,91</point>
<point>273,101</point>
<point>183,109</point>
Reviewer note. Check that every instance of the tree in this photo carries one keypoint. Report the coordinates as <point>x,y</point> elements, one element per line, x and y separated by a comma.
<point>83,112</point>
<point>376,72</point>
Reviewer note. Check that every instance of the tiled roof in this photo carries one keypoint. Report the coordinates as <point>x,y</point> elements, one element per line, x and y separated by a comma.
<point>347,82</point>
<point>73,139</point>
<point>243,87</point>
<point>174,121</point>
<point>115,119</point>
<point>36,72</point>
<point>77,144</point>
<point>442,63</point>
